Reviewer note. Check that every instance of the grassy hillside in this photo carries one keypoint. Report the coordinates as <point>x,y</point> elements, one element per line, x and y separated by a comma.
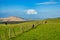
<point>42,32</point>
<point>12,30</point>
<point>24,31</point>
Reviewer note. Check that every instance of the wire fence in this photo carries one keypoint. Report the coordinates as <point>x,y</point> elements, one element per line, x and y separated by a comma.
<point>11,32</point>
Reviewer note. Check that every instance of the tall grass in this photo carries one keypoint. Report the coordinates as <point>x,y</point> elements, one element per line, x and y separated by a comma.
<point>24,31</point>
<point>12,30</point>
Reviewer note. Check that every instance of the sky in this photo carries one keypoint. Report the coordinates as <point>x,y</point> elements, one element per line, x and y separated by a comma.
<point>30,9</point>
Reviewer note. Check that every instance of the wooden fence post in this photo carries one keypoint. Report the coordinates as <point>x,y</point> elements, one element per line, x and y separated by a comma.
<point>22,29</point>
<point>33,26</point>
<point>14,32</point>
<point>6,34</point>
<point>0,37</point>
<point>9,33</point>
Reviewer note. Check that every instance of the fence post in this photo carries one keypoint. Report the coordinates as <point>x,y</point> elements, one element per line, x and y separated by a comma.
<point>9,33</point>
<point>33,26</point>
<point>6,34</point>
<point>22,29</point>
<point>0,37</point>
<point>14,32</point>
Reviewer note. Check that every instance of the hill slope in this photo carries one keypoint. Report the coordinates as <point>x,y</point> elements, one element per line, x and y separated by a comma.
<point>12,18</point>
<point>49,31</point>
<point>24,31</point>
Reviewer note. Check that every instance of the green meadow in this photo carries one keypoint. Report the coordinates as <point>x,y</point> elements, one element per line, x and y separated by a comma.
<point>24,31</point>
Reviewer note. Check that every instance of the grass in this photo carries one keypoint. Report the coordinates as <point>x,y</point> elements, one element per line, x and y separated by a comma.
<point>11,30</point>
<point>49,31</point>
<point>42,32</point>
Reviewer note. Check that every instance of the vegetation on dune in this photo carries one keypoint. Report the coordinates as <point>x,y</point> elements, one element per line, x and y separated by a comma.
<point>12,30</point>
<point>42,32</point>
<point>24,31</point>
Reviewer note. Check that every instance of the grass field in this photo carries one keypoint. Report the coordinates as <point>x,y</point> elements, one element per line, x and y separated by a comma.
<point>24,31</point>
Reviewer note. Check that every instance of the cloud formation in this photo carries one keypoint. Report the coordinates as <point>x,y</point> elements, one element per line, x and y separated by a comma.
<point>31,11</point>
<point>47,3</point>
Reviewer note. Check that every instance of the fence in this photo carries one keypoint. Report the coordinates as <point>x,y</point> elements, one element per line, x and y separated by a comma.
<point>15,30</point>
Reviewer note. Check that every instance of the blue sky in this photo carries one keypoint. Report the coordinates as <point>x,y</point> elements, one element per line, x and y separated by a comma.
<point>30,9</point>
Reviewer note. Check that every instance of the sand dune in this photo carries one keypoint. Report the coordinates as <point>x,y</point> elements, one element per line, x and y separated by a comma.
<point>12,18</point>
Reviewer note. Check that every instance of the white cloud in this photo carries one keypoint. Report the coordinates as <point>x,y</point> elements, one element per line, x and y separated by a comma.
<point>31,11</point>
<point>47,3</point>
